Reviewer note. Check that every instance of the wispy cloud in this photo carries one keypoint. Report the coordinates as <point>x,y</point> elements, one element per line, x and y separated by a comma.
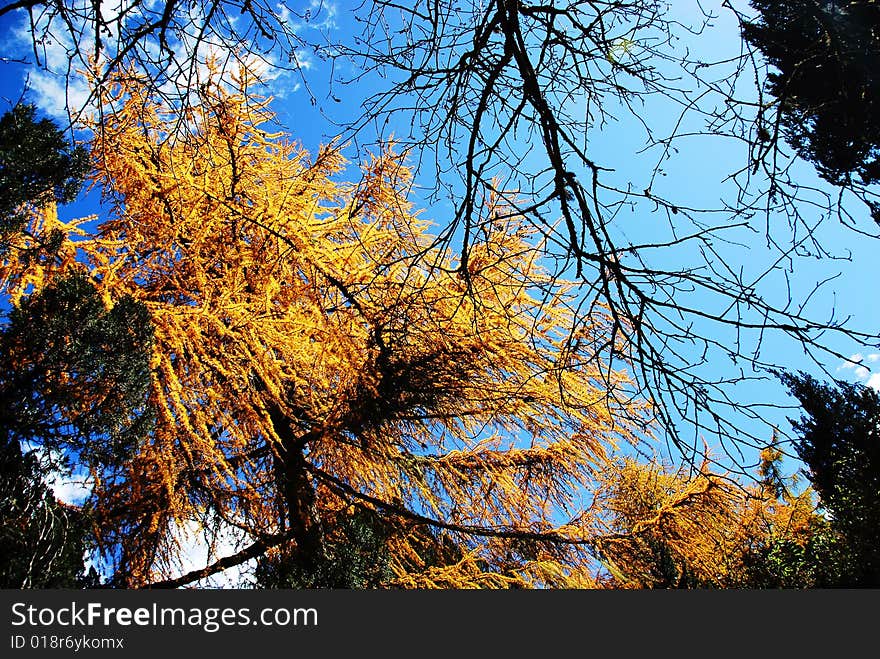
<point>49,85</point>
<point>57,89</point>
<point>858,364</point>
<point>852,362</point>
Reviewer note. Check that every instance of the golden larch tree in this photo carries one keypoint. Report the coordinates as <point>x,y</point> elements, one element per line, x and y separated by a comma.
<point>315,353</point>
<point>679,527</point>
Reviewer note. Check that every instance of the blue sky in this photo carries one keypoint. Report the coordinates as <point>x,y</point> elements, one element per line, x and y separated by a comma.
<point>693,176</point>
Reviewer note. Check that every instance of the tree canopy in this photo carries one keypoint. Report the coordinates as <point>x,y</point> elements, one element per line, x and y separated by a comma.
<point>436,351</point>
<point>73,374</point>
<point>303,361</point>
<point>826,57</point>
<point>513,100</point>
<point>43,542</point>
<point>668,527</point>
<point>837,440</point>
<point>37,165</point>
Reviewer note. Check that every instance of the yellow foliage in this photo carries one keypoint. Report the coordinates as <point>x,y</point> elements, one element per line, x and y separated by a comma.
<point>671,528</point>
<point>309,334</point>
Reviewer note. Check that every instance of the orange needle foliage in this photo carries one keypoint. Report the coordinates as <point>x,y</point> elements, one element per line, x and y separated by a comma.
<point>666,528</point>
<point>313,350</point>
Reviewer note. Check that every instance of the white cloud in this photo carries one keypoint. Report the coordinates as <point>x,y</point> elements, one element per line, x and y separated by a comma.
<point>57,89</point>
<point>50,87</point>
<point>852,362</point>
<point>856,363</point>
<point>55,97</point>
<point>323,13</point>
<point>198,550</point>
<point>70,489</point>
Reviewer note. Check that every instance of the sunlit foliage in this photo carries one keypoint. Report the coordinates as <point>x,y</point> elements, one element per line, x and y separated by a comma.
<point>313,349</point>
<point>668,528</point>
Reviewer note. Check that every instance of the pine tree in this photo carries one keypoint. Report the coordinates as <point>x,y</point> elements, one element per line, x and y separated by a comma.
<point>37,166</point>
<point>73,373</point>
<point>837,440</point>
<point>826,56</point>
